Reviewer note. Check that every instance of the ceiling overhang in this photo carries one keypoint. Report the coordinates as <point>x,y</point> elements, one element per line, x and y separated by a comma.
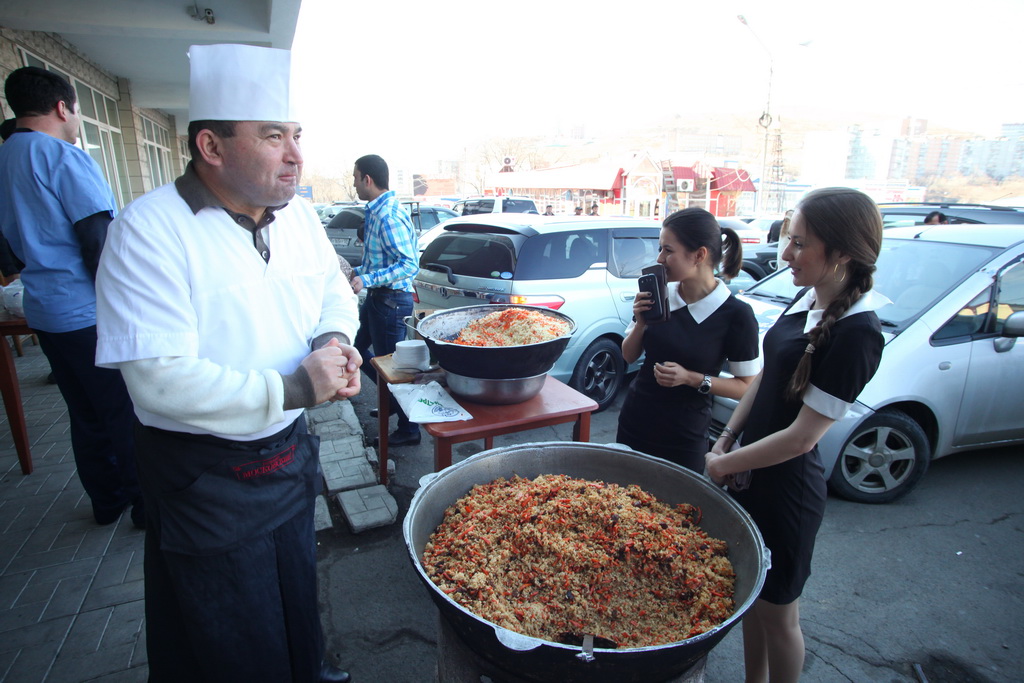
<point>147,41</point>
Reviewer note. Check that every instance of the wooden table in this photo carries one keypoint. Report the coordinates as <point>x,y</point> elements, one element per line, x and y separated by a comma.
<point>555,404</point>
<point>10,326</point>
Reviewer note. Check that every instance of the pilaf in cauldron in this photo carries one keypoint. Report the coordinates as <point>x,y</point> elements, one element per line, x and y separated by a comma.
<point>557,558</point>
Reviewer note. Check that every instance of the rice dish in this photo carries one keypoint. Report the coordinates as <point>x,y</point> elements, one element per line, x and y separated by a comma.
<point>558,558</point>
<point>512,327</point>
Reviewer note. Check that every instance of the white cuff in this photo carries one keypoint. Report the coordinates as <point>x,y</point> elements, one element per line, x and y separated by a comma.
<point>826,404</point>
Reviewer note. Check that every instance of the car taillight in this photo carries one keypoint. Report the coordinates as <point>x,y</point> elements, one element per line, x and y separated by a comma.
<point>552,302</point>
<point>415,296</point>
<point>750,240</point>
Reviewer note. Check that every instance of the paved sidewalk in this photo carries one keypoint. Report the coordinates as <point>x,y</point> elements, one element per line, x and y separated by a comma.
<point>71,592</point>
<point>71,604</point>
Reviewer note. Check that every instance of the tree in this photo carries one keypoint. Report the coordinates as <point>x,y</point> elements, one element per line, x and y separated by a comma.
<point>327,190</point>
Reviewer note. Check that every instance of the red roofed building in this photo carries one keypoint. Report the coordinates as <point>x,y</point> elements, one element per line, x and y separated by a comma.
<point>716,189</point>
<point>726,186</point>
<point>632,188</point>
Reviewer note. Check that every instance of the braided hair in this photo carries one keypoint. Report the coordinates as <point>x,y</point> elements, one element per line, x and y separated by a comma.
<point>847,221</point>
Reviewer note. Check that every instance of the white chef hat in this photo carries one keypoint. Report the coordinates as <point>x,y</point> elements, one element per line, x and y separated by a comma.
<point>240,83</point>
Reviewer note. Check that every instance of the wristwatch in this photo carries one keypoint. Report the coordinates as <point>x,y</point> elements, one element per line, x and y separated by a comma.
<point>705,385</point>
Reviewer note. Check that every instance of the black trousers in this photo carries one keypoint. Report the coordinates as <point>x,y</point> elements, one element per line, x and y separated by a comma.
<point>101,416</point>
<point>230,565</point>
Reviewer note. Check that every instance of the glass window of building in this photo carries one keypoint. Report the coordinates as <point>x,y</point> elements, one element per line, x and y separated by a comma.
<point>183,153</point>
<point>157,142</point>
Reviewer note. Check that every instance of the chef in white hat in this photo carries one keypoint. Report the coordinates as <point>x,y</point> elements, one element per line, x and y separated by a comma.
<point>221,301</point>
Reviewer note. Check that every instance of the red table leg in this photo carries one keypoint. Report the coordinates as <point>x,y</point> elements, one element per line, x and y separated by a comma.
<point>581,427</point>
<point>12,403</point>
<point>442,453</point>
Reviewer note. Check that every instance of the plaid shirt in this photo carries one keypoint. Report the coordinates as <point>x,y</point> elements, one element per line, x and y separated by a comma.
<point>390,255</point>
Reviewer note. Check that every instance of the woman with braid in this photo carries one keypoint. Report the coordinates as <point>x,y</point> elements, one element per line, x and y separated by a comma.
<point>817,358</point>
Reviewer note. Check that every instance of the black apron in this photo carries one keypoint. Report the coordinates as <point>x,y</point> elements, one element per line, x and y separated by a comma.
<point>230,561</point>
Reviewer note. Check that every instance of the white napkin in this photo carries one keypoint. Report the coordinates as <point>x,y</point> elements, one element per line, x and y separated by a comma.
<point>428,403</point>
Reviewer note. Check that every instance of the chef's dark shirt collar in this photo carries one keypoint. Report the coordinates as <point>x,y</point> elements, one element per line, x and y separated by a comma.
<point>198,196</point>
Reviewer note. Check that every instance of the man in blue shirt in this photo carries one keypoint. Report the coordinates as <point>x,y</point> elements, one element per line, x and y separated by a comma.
<point>389,264</point>
<point>55,206</point>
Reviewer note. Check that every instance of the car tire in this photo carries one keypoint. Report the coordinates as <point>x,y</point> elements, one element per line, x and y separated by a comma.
<point>753,271</point>
<point>600,372</point>
<point>882,460</point>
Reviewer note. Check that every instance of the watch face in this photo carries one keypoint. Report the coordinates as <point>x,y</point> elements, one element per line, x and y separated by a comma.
<point>705,385</point>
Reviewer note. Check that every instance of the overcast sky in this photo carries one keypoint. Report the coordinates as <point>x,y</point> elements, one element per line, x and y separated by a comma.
<point>420,80</point>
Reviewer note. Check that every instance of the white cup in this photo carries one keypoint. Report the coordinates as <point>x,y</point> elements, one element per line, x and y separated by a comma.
<point>412,353</point>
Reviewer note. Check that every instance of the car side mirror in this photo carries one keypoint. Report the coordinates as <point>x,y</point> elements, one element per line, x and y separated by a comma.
<point>1014,325</point>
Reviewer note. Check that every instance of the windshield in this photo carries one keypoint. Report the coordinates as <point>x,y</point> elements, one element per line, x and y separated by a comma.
<point>913,274</point>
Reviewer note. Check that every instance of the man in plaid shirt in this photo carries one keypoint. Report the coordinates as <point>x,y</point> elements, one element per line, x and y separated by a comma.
<point>389,264</point>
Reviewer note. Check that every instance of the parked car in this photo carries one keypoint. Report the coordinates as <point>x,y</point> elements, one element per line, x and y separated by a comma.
<point>951,376</point>
<point>584,267</point>
<point>907,214</point>
<point>477,205</point>
<point>749,232</point>
<point>345,230</point>
<point>759,261</point>
<point>329,212</point>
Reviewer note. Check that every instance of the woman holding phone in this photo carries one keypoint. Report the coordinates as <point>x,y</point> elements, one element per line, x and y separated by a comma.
<point>818,356</point>
<point>667,410</point>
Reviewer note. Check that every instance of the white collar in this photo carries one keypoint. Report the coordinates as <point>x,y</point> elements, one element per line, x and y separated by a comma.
<point>701,309</point>
<point>869,301</point>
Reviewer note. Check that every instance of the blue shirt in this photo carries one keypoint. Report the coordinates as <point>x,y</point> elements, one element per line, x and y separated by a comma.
<point>390,255</point>
<point>46,186</point>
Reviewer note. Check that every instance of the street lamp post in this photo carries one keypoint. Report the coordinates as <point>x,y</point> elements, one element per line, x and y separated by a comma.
<point>765,121</point>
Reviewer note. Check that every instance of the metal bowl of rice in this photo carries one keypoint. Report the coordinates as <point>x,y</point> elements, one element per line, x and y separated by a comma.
<point>517,361</point>
<point>546,661</point>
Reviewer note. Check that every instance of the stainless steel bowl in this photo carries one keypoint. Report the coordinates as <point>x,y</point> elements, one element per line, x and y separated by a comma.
<point>496,392</point>
<point>489,362</point>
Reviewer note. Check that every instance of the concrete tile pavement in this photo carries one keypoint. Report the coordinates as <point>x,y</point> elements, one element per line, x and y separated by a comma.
<point>71,592</point>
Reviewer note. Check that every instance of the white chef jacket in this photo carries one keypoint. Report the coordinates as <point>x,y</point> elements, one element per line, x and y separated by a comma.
<point>174,284</point>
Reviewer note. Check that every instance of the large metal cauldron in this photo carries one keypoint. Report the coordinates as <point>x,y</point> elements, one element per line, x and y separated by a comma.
<point>542,660</point>
<point>489,362</point>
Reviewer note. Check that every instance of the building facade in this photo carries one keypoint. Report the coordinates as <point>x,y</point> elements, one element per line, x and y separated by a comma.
<point>137,148</point>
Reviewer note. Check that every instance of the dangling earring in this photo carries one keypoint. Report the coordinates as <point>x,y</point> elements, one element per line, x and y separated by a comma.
<point>835,272</point>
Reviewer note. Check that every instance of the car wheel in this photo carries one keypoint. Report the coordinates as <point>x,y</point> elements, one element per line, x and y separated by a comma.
<point>599,372</point>
<point>883,460</point>
<point>753,271</point>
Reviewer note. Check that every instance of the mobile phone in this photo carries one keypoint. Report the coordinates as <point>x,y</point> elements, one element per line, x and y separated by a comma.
<point>649,283</point>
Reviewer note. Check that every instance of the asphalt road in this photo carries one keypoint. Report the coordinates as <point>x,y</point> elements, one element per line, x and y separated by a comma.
<point>927,588</point>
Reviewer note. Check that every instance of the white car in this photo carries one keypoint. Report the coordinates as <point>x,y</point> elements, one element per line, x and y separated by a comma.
<point>505,204</point>
<point>951,376</point>
<point>584,267</point>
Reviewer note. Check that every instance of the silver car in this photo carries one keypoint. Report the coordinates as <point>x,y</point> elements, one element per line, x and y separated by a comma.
<point>584,267</point>
<point>951,377</point>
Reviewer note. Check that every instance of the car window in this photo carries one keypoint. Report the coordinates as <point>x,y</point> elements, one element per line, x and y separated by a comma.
<point>428,219</point>
<point>519,206</point>
<point>631,254</point>
<point>428,236</point>
<point>968,321</point>
<point>976,317</point>
<point>909,220</point>
<point>560,255</point>
<point>489,256</point>
<point>478,206</point>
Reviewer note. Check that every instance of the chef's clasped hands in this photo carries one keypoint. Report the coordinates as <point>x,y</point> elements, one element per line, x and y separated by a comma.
<point>334,371</point>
